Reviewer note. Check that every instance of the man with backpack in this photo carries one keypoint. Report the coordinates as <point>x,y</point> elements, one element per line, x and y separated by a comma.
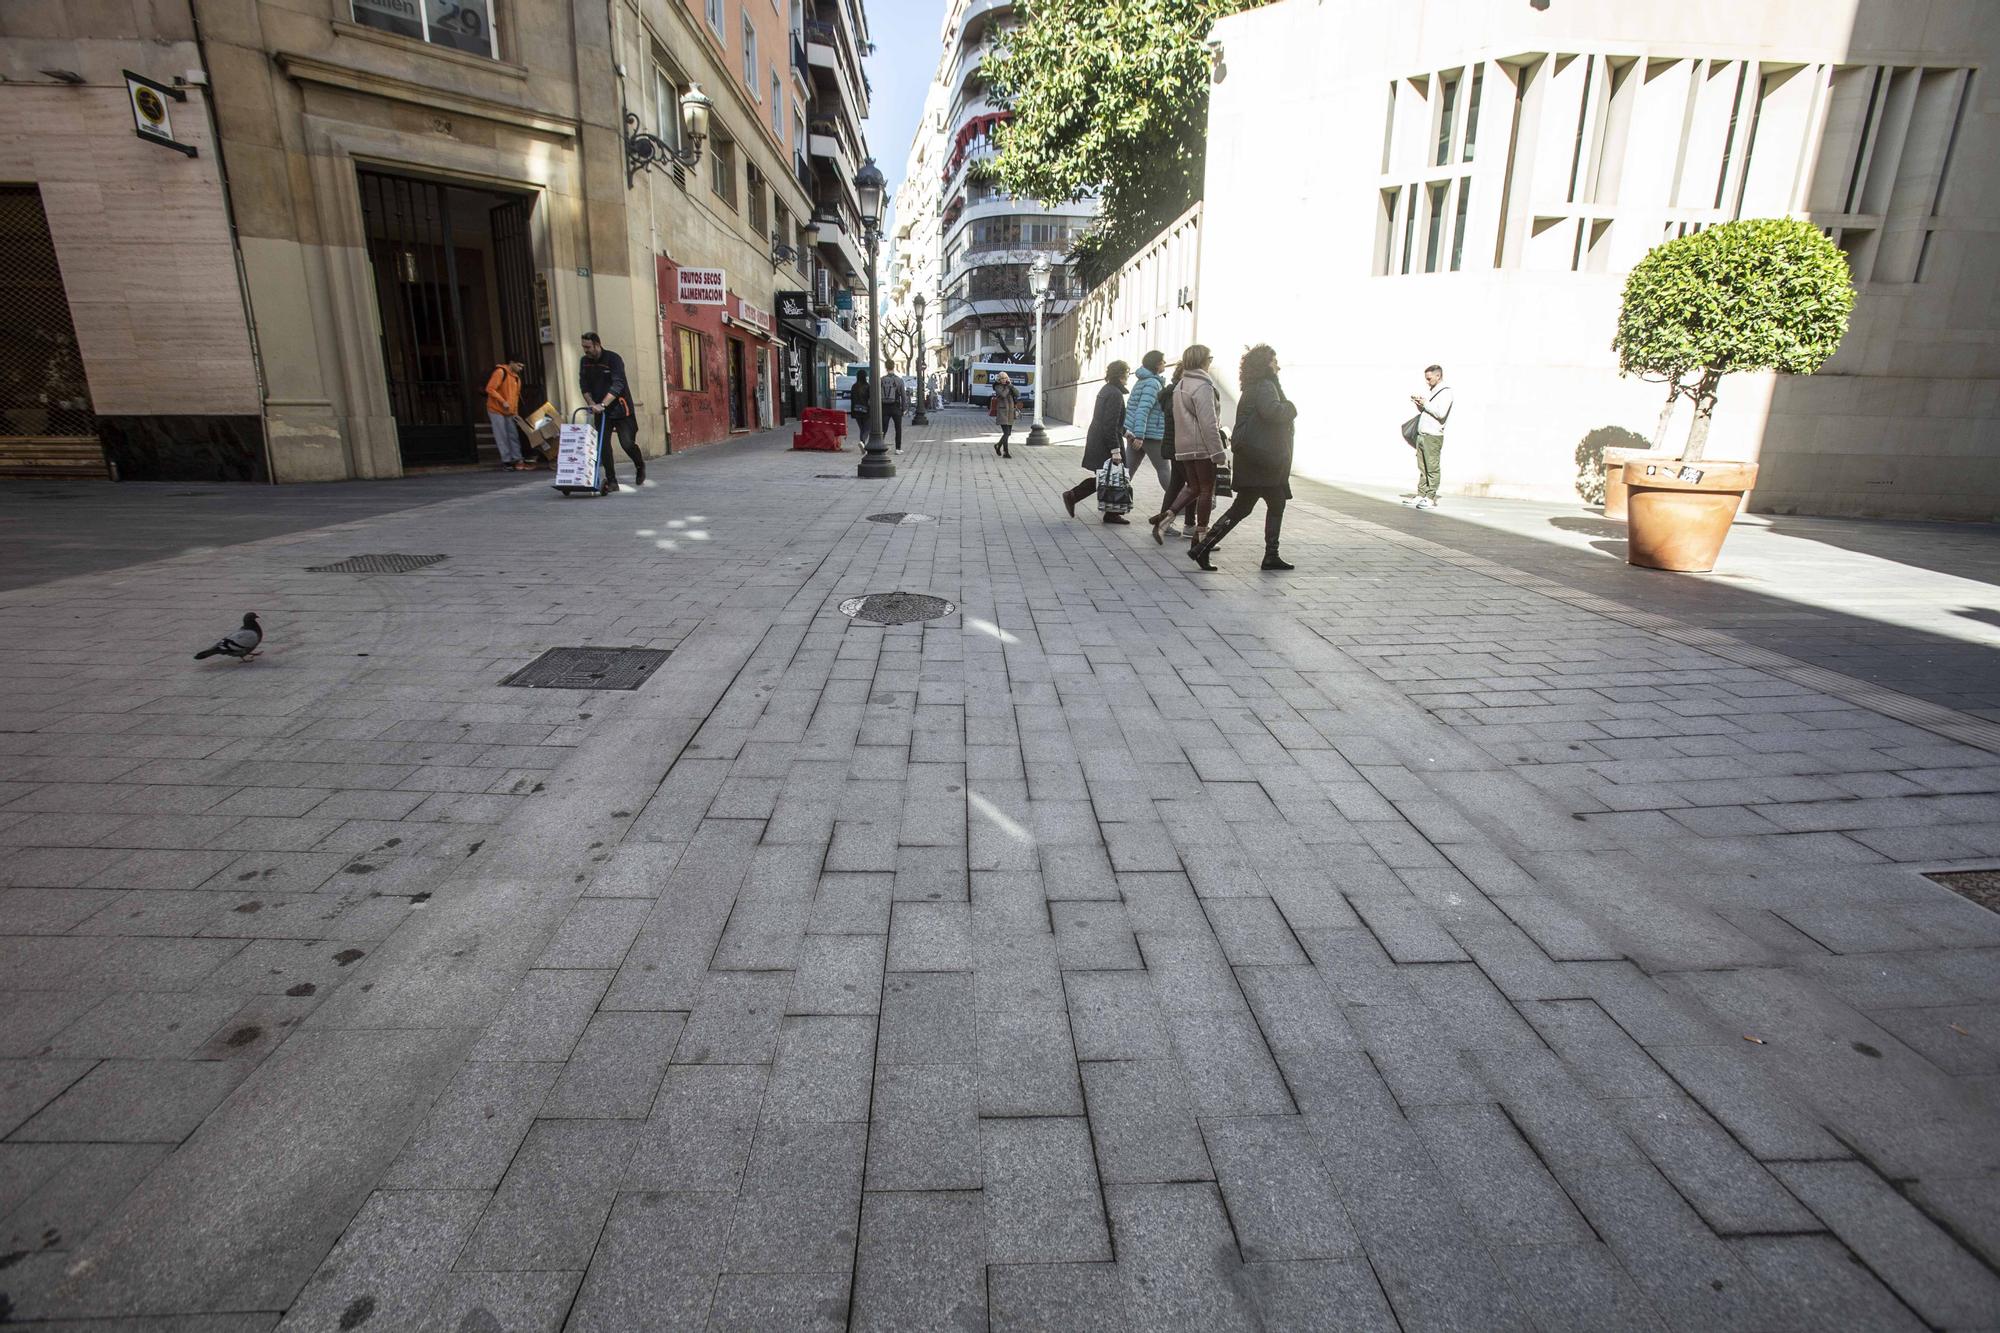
<point>894,400</point>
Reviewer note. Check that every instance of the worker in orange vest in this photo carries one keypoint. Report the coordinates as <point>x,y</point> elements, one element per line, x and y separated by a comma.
<point>503,404</point>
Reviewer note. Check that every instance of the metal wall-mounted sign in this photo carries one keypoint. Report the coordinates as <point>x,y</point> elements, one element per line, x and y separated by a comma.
<point>151,118</point>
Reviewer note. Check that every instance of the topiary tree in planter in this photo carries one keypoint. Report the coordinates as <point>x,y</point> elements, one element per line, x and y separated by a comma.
<point>1761,294</point>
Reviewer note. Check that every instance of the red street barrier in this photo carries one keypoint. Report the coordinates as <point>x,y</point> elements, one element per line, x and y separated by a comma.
<point>821,428</point>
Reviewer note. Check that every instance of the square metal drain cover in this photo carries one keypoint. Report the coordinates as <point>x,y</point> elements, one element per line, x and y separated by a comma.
<point>1981,886</point>
<point>590,669</point>
<point>376,564</point>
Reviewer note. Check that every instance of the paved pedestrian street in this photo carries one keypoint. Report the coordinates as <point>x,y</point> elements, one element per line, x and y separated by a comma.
<point>1426,939</point>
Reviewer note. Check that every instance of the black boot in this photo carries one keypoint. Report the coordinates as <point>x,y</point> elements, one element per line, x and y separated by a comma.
<point>1199,554</point>
<point>640,470</point>
<point>1272,560</point>
<point>1070,497</point>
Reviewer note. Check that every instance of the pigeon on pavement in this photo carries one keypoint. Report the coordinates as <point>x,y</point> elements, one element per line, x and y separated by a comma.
<point>240,643</point>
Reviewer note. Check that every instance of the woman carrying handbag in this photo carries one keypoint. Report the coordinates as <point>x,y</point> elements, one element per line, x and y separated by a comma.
<point>1006,402</point>
<point>1103,446</point>
<point>1264,422</point>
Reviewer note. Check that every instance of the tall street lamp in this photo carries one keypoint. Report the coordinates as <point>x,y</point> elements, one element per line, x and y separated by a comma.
<point>1038,284</point>
<point>868,184</point>
<point>920,364</point>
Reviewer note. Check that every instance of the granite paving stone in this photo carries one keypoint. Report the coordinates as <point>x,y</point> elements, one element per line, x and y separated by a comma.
<point>1043,1201</point>
<point>118,1101</point>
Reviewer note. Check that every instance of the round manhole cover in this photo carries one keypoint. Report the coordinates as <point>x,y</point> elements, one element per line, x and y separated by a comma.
<point>896,608</point>
<point>900,518</point>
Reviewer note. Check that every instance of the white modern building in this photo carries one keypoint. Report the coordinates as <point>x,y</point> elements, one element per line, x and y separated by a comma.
<point>987,238</point>
<point>1468,182</point>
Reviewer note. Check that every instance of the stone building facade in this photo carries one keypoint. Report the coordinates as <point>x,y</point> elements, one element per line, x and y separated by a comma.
<point>125,344</point>
<point>417,189</point>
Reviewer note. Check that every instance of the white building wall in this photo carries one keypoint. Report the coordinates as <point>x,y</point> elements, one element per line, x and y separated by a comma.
<point>1148,304</point>
<point>1603,128</point>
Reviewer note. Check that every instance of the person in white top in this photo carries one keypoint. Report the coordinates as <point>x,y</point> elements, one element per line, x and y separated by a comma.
<point>1433,408</point>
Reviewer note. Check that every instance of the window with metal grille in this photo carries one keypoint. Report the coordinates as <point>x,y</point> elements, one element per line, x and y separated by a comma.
<point>43,392</point>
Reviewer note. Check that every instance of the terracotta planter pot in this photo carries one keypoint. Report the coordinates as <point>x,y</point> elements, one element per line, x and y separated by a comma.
<point>1677,514</point>
<point>1616,460</point>
<point>1614,490</point>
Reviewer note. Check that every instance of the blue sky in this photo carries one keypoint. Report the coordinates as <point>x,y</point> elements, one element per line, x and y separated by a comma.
<point>905,33</point>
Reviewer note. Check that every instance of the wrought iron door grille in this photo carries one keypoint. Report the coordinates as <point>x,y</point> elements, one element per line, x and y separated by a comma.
<point>43,392</point>
<point>423,325</point>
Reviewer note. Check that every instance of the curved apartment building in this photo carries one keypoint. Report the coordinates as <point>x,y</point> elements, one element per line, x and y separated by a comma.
<point>983,238</point>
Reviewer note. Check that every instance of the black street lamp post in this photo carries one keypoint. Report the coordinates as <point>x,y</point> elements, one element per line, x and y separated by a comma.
<point>868,184</point>
<point>919,370</point>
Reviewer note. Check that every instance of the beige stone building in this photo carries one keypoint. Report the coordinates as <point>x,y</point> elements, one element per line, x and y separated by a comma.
<point>124,336</point>
<point>417,188</point>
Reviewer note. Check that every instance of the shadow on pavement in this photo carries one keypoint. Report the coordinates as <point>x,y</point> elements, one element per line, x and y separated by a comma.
<point>59,529</point>
<point>1950,672</point>
<point>1968,550</point>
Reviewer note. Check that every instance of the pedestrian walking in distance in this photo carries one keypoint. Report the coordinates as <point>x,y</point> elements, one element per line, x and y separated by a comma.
<point>602,376</point>
<point>1432,409</point>
<point>1006,406</point>
<point>894,400</point>
<point>1146,420</point>
<point>1263,445</point>
<point>1104,441</point>
<point>503,404</point>
<point>857,403</point>
<point>1197,441</point>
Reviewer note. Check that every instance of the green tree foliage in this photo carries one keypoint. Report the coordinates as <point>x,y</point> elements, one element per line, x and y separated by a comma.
<point>1108,96</point>
<point>1761,294</point>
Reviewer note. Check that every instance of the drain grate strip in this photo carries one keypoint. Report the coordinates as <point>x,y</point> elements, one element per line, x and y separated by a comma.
<point>1979,886</point>
<point>377,564</point>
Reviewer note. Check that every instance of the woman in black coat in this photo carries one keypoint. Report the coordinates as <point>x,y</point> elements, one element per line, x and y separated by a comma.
<point>1263,463</point>
<point>1106,439</point>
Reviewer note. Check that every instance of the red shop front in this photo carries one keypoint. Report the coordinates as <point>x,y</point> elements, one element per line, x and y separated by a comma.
<point>719,357</point>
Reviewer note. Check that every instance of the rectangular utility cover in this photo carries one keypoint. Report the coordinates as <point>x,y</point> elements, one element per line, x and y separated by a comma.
<point>590,669</point>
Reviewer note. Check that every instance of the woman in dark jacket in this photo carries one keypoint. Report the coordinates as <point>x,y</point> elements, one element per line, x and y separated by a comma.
<point>1263,465</point>
<point>1106,439</point>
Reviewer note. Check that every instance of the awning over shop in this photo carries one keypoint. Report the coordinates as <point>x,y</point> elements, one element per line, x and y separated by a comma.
<point>839,342</point>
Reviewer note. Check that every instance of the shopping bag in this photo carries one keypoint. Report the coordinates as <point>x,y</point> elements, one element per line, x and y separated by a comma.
<point>1114,488</point>
<point>1224,485</point>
